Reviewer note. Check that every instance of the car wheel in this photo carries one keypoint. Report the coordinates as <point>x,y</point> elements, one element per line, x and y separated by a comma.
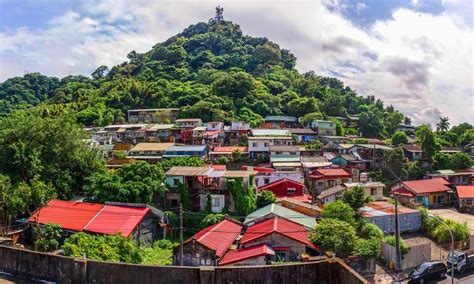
<point>462,269</point>
<point>442,275</point>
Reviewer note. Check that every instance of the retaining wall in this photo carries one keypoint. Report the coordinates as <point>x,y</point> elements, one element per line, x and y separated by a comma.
<point>68,270</point>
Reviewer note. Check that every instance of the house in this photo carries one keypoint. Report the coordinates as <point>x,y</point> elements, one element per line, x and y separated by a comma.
<point>141,222</point>
<point>271,132</point>
<point>343,148</point>
<point>188,122</point>
<point>469,149</point>
<point>455,177</point>
<point>122,132</point>
<point>373,189</point>
<point>465,194</point>
<point>372,154</point>
<point>236,132</point>
<point>186,151</point>
<point>275,210</point>
<point>309,164</point>
<point>280,122</point>
<point>407,128</point>
<point>204,181</point>
<point>287,188</point>
<point>322,179</point>
<point>215,125</point>
<point>260,146</point>
<point>324,127</point>
<point>267,177</point>
<point>256,255</point>
<point>382,214</point>
<point>288,239</point>
<point>152,115</point>
<point>425,192</point>
<point>159,133</point>
<point>413,152</point>
<point>304,135</point>
<point>300,207</point>
<point>208,246</point>
<point>349,160</point>
<point>149,151</point>
<point>330,194</point>
<point>287,157</point>
<point>227,151</point>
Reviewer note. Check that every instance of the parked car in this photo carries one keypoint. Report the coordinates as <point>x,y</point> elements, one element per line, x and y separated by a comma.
<point>461,261</point>
<point>428,271</point>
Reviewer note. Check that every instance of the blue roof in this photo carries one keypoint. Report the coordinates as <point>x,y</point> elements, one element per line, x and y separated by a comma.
<point>280,118</point>
<point>186,148</point>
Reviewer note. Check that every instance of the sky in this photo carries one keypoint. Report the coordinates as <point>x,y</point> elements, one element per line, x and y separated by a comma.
<point>416,55</point>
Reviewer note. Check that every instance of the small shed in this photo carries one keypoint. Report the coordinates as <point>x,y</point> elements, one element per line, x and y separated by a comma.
<point>382,214</point>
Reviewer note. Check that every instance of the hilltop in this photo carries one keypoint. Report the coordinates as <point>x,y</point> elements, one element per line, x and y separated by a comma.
<point>210,70</point>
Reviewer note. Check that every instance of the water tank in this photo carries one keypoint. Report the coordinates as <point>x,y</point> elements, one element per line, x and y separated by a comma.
<point>364,177</point>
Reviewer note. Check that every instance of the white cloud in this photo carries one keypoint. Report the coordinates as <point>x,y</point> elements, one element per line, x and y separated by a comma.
<point>420,63</point>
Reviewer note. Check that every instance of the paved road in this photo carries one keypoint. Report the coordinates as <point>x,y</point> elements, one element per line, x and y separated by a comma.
<point>467,277</point>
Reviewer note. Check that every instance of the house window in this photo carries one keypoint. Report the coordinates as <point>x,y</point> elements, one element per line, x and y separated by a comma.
<point>277,153</point>
<point>280,255</point>
<point>293,153</point>
<point>291,190</point>
<point>419,199</point>
<point>254,144</point>
<point>266,144</point>
<point>266,180</point>
<point>216,202</point>
<point>174,202</point>
<point>373,191</point>
<point>176,181</point>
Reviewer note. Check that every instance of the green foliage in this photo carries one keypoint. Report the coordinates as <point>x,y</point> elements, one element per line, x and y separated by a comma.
<point>399,137</point>
<point>340,131</point>
<point>310,117</point>
<point>212,219</point>
<point>48,238</point>
<point>370,230</point>
<point>50,149</point>
<point>404,247</point>
<point>443,161</point>
<point>159,253</point>
<point>438,231</point>
<point>340,211</point>
<point>315,144</point>
<point>354,197</point>
<point>113,248</point>
<point>335,236</point>
<point>443,124</point>
<point>185,196</point>
<point>428,140</point>
<point>223,160</point>
<point>136,182</point>
<point>264,198</point>
<point>208,203</point>
<point>244,198</point>
<point>367,247</point>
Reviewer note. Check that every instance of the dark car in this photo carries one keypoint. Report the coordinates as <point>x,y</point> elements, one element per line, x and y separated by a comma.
<point>428,271</point>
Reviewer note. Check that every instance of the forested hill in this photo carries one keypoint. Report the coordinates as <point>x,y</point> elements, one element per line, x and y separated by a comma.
<point>210,70</point>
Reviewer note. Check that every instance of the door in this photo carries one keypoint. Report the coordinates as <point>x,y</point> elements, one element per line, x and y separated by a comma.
<point>427,200</point>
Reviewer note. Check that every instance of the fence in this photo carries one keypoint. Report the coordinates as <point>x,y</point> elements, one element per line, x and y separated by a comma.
<point>68,270</point>
<point>417,254</point>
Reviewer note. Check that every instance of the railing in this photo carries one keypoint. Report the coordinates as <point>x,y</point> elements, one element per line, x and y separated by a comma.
<point>9,230</point>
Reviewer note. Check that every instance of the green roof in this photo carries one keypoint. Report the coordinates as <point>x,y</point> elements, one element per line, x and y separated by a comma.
<point>276,159</point>
<point>280,211</point>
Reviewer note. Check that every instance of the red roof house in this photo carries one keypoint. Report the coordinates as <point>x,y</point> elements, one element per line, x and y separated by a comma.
<point>324,174</point>
<point>425,191</point>
<point>256,255</point>
<point>276,231</point>
<point>287,188</point>
<point>210,244</point>
<point>323,179</point>
<point>465,195</point>
<point>124,219</point>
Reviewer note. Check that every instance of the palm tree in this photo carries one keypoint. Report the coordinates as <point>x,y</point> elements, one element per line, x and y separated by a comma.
<point>443,124</point>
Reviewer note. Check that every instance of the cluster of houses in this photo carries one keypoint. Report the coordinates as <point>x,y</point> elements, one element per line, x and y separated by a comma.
<point>302,179</point>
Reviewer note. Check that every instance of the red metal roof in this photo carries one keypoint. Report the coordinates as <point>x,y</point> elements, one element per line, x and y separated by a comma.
<point>280,189</point>
<point>465,191</point>
<point>427,185</point>
<point>403,192</point>
<point>329,173</point>
<point>212,132</point>
<point>219,167</point>
<point>259,169</point>
<point>70,215</point>
<point>231,149</point>
<point>233,256</point>
<point>219,236</point>
<point>277,225</point>
<point>383,208</point>
<point>117,219</point>
<point>285,181</point>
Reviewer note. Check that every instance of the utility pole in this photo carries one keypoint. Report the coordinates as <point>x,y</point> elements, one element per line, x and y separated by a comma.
<point>181,234</point>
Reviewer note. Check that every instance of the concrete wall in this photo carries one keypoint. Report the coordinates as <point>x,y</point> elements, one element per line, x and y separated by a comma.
<point>67,270</point>
<point>417,254</point>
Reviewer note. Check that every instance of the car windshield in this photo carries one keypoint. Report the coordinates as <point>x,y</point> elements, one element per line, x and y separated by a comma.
<point>453,258</point>
<point>422,267</point>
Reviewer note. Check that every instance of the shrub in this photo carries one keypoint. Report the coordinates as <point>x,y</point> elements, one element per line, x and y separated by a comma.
<point>212,219</point>
<point>370,230</point>
<point>367,247</point>
<point>404,247</point>
<point>334,236</point>
<point>339,210</point>
<point>264,198</point>
<point>49,236</point>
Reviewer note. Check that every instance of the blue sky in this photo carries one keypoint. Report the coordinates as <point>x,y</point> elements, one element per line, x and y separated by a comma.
<point>411,53</point>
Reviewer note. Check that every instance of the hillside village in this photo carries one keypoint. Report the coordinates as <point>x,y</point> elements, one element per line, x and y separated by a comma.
<point>221,154</point>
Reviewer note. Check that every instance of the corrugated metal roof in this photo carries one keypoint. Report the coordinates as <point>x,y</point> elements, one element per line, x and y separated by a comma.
<point>283,212</point>
<point>237,255</point>
<point>160,127</point>
<point>331,191</point>
<point>238,173</point>
<point>186,148</point>
<point>189,171</point>
<point>383,208</point>
<point>151,147</point>
<point>281,118</point>
<point>276,159</point>
<point>270,132</point>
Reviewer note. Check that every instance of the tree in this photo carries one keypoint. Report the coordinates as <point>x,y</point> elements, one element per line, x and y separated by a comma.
<point>339,210</point>
<point>49,237</point>
<point>315,144</point>
<point>354,197</point>
<point>429,143</point>
<point>367,247</point>
<point>137,182</point>
<point>404,247</point>
<point>399,138</point>
<point>443,124</point>
<point>100,72</point>
<point>461,161</point>
<point>310,117</point>
<point>208,203</point>
<point>394,165</point>
<point>212,219</point>
<point>185,196</point>
<point>244,198</point>
<point>335,236</point>
<point>264,198</point>
<point>371,122</point>
<point>51,149</point>
<point>235,85</point>
<point>369,230</point>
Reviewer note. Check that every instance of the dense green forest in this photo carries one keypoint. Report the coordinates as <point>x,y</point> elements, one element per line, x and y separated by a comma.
<point>210,70</point>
